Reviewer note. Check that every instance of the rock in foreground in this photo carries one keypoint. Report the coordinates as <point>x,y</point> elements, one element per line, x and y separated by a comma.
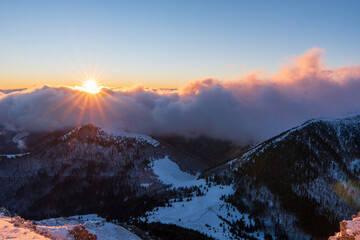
<point>349,229</point>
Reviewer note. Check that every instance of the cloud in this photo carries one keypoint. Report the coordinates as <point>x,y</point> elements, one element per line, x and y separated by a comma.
<point>6,91</point>
<point>250,109</point>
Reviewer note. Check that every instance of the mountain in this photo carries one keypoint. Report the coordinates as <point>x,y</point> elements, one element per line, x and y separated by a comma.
<point>305,180</point>
<point>297,185</point>
<point>87,169</point>
<point>115,174</point>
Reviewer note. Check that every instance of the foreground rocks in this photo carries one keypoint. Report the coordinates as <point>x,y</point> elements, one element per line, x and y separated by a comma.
<point>349,229</point>
<point>19,228</point>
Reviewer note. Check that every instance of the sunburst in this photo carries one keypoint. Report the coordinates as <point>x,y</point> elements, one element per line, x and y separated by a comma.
<point>90,86</point>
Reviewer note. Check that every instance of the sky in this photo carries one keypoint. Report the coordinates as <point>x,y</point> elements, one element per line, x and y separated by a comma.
<point>246,110</point>
<point>241,71</point>
<point>167,44</point>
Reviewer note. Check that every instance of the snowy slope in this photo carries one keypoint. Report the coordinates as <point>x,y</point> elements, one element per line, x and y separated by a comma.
<point>114,135</point>
<point>9,231</point>
<point>140,138</point>
<point>66,165</point>
<point>61,228</point>
<point>18,228</point>
<point>338,126</point>
<point>311,172</point>
<point>94,224</point>
<point>208,214</point>
<point>169,173</point>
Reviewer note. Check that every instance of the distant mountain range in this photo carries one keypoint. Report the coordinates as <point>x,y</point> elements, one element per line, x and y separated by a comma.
<point>297,185</point>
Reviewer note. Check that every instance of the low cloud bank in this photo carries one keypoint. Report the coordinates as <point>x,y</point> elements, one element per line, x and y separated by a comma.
<point>249,109</point>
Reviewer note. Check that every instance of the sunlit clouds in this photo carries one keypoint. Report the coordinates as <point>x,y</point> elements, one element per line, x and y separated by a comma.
<point>249,109</point>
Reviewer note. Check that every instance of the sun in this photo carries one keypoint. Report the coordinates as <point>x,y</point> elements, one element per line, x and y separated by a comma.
<point>90,86</point>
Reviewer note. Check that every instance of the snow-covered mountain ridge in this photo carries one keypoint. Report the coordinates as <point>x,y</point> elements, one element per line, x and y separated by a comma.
<point>297,185</point>
<point>88,170</point>
<point>308,172</point>
<point>109,135</point>
<point>88,159</point>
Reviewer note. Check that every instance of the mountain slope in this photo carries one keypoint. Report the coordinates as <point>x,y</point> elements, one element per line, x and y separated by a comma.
<point>86,227</point>
<point>297,185</point>
<point>309,172</point>
<point>18,228</point>
<point>202,208</point>
<point>87,170</point>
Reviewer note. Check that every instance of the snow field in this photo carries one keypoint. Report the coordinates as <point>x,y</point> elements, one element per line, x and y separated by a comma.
<point>202,213</point>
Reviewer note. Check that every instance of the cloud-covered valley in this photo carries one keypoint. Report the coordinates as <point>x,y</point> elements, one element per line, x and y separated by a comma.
<point>249,109</point>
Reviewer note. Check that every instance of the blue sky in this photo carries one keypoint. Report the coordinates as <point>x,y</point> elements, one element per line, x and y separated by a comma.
<point>167,43</point>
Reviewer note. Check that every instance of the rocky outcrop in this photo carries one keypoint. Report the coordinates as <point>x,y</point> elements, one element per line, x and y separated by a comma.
<point>349,229</point>
<point>4,212</point>
<point>80,233</point>
<point>19,228</point>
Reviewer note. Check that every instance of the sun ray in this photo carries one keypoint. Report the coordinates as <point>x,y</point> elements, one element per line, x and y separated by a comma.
<point>83,109</point>
<point>100,109</point>
<point>66,103</point>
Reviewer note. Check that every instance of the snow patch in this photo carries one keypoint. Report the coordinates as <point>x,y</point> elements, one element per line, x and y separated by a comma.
<point>204,214</point>
<point>14,155</point>
<point>145,185</point>
<point>68,134</point>
<point>207,214</point>
<point>116,135</point>
<point>18,228</point>
<point>94,224</point>
<point>138,137</point>
<point>169,173</point>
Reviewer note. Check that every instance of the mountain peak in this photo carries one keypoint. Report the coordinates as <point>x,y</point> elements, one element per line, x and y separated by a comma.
<point>93,132</point>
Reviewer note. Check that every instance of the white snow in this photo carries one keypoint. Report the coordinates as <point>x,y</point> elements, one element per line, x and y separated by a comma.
<point>202,213</point>
<point>58,233</point>
<point>94,224</point>
<point>115,134</point>
<point>138,137</point>
<point>14,155</point>
<point>145,185</point>
<point>58,228</point>
<point>8,230</point>
<point>68,134</point>
<point>169,172</point>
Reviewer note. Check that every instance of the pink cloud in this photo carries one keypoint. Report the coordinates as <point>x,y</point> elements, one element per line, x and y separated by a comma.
<point>252,108</point>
